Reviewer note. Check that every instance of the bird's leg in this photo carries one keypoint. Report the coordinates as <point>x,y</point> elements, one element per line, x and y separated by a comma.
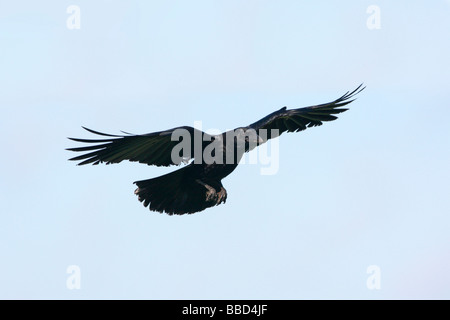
<point>211,194</point>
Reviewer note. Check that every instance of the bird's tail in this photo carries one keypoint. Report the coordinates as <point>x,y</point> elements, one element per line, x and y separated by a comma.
<point>177,192</point>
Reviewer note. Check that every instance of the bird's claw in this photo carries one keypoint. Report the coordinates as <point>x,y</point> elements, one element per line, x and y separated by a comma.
<point>222,196</point>
<point>212,195</point>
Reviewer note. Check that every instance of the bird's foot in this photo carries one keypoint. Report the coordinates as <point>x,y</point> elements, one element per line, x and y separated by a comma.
<point>222,195</point>
<point>211,194</point>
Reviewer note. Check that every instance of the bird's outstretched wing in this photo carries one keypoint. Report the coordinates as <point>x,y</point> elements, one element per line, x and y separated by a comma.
<point>151,148</point>
<point>294,120</point>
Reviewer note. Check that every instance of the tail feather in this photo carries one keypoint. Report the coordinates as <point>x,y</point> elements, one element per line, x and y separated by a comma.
<point>177,192</point>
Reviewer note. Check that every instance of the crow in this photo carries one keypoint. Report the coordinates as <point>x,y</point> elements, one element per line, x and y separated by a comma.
<point>209,158</point>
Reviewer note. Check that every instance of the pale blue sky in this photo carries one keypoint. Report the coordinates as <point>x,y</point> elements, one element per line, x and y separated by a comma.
<point>368,189</point>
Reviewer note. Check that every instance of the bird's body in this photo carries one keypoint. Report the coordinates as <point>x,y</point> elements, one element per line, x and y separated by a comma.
<point>198,185</point>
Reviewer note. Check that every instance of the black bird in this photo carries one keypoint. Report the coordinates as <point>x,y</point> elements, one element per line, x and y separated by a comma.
<point>198,185</point>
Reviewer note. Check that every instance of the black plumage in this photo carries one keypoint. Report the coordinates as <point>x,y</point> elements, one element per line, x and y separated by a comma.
<point>198,185</point>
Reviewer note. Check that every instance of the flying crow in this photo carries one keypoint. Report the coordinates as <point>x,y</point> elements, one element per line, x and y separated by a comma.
<point>210,158</point>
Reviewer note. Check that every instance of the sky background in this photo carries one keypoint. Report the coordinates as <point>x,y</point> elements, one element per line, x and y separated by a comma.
<point>370,189</point>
